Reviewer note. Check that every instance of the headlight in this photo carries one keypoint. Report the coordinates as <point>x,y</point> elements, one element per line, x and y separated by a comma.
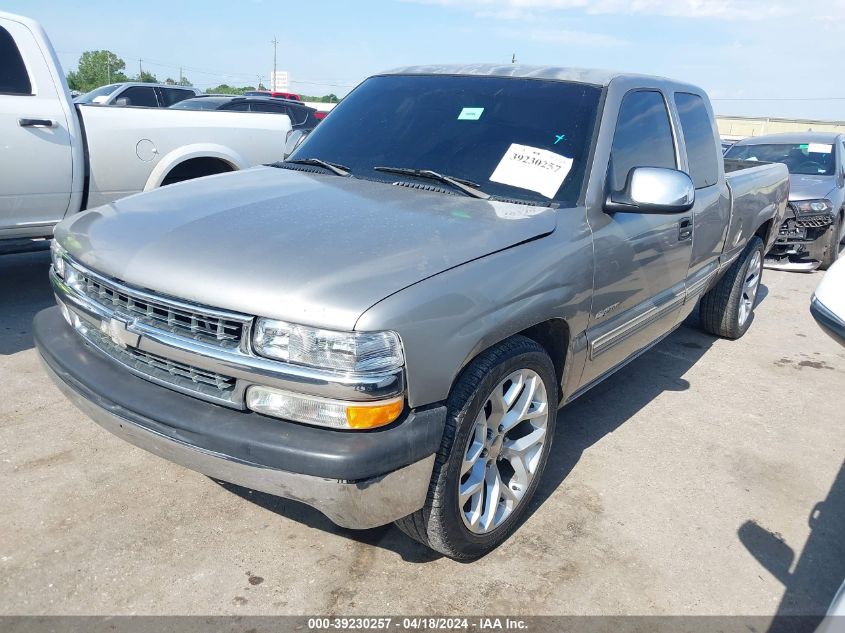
<point>814,206</point>
<point>335,414</point>
<point>57,253</point>
<point>352,352</point>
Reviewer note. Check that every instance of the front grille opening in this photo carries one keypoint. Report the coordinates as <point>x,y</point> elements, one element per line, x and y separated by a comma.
<point>192,380</point>
<point>197,325</point>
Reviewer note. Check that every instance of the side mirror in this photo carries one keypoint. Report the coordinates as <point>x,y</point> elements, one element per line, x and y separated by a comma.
<point>653,190</point>
<point>123,101</point>
<point>294,140</point>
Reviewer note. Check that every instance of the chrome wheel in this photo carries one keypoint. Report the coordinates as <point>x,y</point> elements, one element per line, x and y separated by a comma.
<point>503,451</point>
<point>750,287</point>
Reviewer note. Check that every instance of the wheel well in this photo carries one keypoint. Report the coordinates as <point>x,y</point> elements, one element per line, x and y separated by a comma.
<point>763,231</point>
<point>553,336</point>
<point>196,168</point>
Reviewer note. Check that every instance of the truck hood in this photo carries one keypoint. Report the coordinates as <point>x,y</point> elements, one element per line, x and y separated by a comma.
<point>308,248</point>
<point>807,187</point>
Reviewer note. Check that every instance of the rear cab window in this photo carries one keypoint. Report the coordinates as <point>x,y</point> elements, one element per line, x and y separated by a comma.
<point>14,79</point>
<point>169,96</point>
<point>699,138</point>
<point>643,137</point>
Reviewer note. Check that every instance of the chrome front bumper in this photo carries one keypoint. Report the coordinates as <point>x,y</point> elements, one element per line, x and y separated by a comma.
<point>356,505</point>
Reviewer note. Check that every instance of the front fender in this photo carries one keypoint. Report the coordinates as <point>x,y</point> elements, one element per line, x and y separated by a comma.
<point>446,320</point>
<point>199,150</point>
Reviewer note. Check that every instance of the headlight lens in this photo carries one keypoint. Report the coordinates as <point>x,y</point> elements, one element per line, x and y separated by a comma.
<point>334,414</point>
<point>352,352</point>
<point>57,253</point>
<point>814,206</point>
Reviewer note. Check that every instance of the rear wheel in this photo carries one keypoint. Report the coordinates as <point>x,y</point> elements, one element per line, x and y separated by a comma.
<point>832,238</point>
<point>727,308</point>
<point>501,419</point>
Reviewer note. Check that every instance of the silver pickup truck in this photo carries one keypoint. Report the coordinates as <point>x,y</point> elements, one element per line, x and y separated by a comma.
<point>384,325</point>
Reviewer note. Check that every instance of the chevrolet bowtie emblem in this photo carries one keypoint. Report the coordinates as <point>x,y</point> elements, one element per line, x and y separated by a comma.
<point>117,331</point>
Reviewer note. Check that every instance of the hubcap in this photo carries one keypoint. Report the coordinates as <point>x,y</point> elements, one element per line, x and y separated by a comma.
<point>750,287</point>
<point>503,451</point>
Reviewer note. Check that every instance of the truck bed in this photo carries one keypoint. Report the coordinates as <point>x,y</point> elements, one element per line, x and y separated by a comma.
<point>756,190</point>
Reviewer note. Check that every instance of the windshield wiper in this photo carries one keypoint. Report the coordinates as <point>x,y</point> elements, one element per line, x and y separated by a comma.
<point>337,170</point>
<point>467,186</point>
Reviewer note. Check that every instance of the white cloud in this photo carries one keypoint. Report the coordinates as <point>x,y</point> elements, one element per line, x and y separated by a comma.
<point>573,38</point>
<point>719,9</point>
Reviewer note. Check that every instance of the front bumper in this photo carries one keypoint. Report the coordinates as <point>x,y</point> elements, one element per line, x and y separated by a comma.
<point>358,479</point>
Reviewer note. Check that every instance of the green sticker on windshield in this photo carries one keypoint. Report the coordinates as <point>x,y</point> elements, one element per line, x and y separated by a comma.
<point>470,114</point>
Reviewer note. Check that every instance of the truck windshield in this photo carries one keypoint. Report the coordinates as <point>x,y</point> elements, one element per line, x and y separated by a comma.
<point>517,139</point>
<point>816,159</point>
<point>102,91</point>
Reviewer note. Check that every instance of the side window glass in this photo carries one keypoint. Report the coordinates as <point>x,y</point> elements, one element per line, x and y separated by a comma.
<point>141,96</point>
<point>238,107</point>
<point>643,137</point>
<point>174,95</point>
<point>699,138</point>
<point>14,79</point>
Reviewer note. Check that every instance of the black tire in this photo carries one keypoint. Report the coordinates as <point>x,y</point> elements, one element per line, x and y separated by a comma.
<point>439,524</point>
<point>832,239</point>
<point>719,312</point>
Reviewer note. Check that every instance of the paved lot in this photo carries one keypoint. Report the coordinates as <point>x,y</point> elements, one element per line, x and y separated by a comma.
<point>689,483</point>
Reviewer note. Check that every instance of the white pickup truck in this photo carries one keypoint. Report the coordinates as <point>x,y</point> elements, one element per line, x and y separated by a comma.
<point>57,158</point>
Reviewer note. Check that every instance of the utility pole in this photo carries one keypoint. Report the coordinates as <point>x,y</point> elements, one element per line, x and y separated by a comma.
<point>180,75</point>
<point>273,78</point>
<point>140,70</point>
<point>108,69</point>
<point>513,58</point>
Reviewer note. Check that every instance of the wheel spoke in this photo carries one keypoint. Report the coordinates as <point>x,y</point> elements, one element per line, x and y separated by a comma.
<point>471,486</point>
<point>493,484</point>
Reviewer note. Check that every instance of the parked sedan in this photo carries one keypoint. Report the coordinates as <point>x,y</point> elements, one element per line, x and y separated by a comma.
<point>301,116</point>
<point>142,95</point>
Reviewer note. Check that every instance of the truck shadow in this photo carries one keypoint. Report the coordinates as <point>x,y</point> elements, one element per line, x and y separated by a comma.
<point>24,291</point>
<point>580,425</point>
<point>811,582</point>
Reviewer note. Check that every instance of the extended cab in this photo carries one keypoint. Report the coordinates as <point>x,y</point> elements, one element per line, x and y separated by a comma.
<point>384,325</point>
<point>58,158</point>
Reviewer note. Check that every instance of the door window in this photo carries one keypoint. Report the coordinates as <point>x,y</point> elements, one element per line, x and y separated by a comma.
<point>699,139</point>
<point>140,96</point>
<point>169,96</point>
<point>14,79</point>
<point>643,136</point>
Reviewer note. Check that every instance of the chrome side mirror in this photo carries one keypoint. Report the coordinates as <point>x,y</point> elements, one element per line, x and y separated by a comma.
<point>653,190</point>
<point>294,140</point>
<point>123,101</point>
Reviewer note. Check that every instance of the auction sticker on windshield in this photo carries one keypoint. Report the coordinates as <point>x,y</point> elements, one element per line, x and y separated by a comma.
<point>532,168</point>
<point>819,148</point>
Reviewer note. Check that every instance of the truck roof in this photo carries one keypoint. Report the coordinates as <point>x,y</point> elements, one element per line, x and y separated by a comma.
<point>791,137</point>
<point>596,77</point>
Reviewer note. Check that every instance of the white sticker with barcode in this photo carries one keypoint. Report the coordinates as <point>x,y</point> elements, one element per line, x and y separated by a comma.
<point>532,168</point>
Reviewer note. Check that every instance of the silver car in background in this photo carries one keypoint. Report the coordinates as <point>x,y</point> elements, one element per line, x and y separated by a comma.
<point>138,94</point>
<point>810,236</point>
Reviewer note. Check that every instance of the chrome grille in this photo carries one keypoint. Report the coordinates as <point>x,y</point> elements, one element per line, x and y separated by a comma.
<point>179,376</point>
<point>189,321</point>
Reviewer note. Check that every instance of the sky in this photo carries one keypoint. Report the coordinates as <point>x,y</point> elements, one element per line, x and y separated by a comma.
<point>777,58</point>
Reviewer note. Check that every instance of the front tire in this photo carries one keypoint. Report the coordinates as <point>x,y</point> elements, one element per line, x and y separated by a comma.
<point>499,429</point>
<point>728,308</point>
<point>832,241</point>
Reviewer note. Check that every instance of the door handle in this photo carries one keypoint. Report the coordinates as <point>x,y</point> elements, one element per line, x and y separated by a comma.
<point>685,229</point>
<point>36,123</point>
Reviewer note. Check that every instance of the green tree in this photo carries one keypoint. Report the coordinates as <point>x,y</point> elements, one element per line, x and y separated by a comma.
<point>147,77</point>
<point>96,68</point>
<point>226,89</point>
